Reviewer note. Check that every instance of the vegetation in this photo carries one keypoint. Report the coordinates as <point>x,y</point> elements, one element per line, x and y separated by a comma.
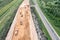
<point>7,14</point>
<point>42,27</point>
<point>5,8</point>
<point>51,9</point>
<point>4,2</point>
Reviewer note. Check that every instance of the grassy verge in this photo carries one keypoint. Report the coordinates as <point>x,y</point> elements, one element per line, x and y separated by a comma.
<point>41,25</point>
<point>51,10</point>
<point>7,19</point>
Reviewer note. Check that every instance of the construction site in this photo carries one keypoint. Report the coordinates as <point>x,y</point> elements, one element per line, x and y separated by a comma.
<point>27,20</point>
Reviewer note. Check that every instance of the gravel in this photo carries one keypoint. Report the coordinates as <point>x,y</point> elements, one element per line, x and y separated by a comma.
<point>39,31</point>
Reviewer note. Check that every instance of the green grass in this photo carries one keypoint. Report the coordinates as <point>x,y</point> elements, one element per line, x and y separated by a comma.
<point>7,18</point>
<point>51,9</point>
<point>4,9</point>
<point>41,25</point>
<point>4,2</point>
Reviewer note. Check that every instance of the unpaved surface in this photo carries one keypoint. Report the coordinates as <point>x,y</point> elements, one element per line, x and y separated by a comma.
<point>22,27</point>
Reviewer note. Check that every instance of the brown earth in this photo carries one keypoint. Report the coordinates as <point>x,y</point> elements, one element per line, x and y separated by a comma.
<point>22,27</point>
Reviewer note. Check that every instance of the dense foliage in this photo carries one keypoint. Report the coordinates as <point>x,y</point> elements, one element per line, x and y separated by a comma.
<point>51,9</point>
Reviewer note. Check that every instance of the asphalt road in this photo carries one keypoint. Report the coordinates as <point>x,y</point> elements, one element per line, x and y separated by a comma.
<point>48,26</point>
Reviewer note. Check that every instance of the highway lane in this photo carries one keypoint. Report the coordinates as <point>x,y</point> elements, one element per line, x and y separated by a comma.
<point>48,26</point>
